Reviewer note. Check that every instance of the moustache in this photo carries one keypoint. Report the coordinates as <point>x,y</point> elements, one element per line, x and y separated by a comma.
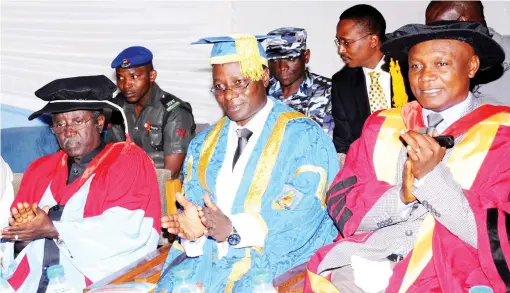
<point>71,139</point>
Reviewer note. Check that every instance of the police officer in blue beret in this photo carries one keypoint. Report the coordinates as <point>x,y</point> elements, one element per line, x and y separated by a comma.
<point>158,122</point>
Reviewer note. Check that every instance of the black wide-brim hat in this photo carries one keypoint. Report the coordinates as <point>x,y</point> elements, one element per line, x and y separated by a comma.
<point>76,93</point>
<point>399,42</point>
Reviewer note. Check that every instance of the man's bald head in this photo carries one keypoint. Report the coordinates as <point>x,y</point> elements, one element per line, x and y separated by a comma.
<point>455,10</point>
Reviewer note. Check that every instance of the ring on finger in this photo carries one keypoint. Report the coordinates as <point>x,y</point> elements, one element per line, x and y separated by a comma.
<point>16,237</point>
<point>410,148</point>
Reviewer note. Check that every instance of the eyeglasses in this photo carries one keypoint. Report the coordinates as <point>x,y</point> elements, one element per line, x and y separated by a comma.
<point>220,89</point>
<point>75,125</point>
<point>346,44</point>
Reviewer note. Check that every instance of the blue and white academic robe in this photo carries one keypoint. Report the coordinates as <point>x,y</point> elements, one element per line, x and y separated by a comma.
<point>283,186</point>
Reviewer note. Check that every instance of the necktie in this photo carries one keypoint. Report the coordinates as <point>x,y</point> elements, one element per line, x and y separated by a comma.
<point>243,135</point>
<point>376,95</point>
<point>433,119</point>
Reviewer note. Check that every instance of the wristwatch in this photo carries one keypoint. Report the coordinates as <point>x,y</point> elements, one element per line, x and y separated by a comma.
<point>234,238</point>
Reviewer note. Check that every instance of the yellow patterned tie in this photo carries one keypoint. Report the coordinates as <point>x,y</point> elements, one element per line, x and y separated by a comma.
<point>376,95</point>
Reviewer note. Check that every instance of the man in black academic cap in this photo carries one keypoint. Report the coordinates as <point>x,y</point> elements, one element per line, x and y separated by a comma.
<point>414,215</point>
<point>492,86</point>
<point>95,207</point>
<point>159,122</point>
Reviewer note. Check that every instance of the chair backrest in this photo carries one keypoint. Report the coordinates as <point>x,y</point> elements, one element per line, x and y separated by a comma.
<point>21,146</point>
<point>16,181</point>
<point>163,176</point>
<point>167,189</point>
<point>201,127</point>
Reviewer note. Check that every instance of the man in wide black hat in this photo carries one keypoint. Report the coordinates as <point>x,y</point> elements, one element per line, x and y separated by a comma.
<point>493,85</point>
<point>417,215</point>
<point>96,207</point>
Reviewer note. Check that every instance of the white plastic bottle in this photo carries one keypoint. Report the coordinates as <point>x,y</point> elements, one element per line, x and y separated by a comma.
<point>480,289</point>
<point>263,283</point>
<point>5,287</point>
<point>58,282</point>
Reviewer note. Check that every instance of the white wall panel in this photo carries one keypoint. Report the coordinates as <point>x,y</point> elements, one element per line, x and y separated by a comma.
<point>320,18</point>
<point>45,40</point>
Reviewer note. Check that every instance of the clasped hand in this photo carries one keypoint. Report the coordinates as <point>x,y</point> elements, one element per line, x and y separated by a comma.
<point>29,223</point>
<point>424,154</point>
<point>195,221</point>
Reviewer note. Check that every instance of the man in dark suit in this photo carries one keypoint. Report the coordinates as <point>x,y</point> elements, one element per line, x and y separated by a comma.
<point>363,85</point>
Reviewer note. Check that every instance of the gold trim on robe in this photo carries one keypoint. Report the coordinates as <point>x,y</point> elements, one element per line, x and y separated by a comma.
<point>207,151</point>
<point>189,165</point>
<point>470,153</point>
<point>260,181</point>
<point>464,163</point>
<point>320,284</point>
<point>267,160</point>
<point>389,145</point>
<point>421,254</point>
<point>239,269</point>
<point>321,188</point>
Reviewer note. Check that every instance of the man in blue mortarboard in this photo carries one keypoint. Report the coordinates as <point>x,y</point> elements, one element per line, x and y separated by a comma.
<point>158,122</point>
<point>292,83</point>
<point>255,182</point>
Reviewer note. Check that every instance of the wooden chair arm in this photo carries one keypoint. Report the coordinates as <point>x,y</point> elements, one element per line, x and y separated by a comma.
<point>146,269</point>
<point>172,187</point>
<point>292,281</point>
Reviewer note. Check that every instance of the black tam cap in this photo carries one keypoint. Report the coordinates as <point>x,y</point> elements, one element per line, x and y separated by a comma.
<point>476,34</point>
<point>76,93</point>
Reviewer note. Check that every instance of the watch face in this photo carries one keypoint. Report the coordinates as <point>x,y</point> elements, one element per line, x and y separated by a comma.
<point>234,239</point>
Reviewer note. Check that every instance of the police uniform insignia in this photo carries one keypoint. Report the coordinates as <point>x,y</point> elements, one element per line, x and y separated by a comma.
<point>125,63</point>
<point>181,132</point>
<point>169,102</point>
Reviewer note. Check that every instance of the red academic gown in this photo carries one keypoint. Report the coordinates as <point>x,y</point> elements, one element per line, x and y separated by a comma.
<point>111,217</point>
<point>440,261</point>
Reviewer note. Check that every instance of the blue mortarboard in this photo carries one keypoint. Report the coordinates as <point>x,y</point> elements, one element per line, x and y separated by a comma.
<point>132,57</point>
<point>243,48</point>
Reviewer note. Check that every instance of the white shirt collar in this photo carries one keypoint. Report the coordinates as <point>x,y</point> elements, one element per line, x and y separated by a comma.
<point>256,124</point>
<point>453,113</point>
<point>378,67</point>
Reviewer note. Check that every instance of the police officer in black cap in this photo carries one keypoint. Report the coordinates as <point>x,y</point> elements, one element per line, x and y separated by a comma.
<point>159,122</point>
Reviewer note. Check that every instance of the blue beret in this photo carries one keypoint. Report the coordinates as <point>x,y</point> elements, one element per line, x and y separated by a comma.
<point>132,57</point>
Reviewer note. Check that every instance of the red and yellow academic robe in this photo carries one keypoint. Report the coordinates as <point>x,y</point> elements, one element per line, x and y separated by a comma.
<point>112,215</point>
<point>440,261</point>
